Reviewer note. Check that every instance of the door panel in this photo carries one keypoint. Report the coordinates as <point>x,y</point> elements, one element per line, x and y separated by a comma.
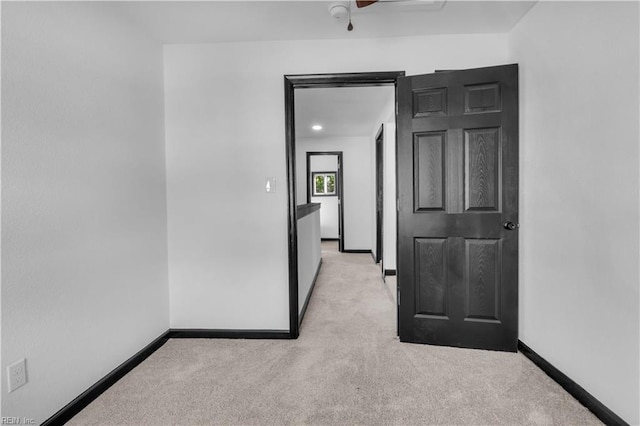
<point>457,264</point>
<point>431,277</point>
<point>482,279</point>
<point>430,102</point>
<point>482,98</point>
<point>429,167</point>
<point>482,158</point>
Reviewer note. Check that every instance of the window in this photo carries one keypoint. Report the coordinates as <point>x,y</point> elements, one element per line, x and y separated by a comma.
<point>323,184</point>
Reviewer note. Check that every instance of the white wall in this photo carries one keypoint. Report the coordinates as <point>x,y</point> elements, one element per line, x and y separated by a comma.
<point>579,194</point>
<point>386,116</point>
<point>389,208</point>
<point>309,253</point>
<point>356,184</point>
<point>84,259</point>
<point>329,205</point>
<point>225,134</point>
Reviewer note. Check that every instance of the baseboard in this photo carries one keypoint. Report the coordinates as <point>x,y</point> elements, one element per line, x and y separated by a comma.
<point>78,404</point>
<point>389,272</point>
<point>85,398</point>
<point>204,333</point>
<point>357,251</point>
<point>306,301</point>
<point>605,415</point>
<point>329,239</point>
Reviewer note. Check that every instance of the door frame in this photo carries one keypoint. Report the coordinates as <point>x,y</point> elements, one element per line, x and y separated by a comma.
<point>339,175</point>
<point>379,172</point>
<point>302,81</point>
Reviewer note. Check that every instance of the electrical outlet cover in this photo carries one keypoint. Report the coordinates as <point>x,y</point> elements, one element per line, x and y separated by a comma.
<point>17,374</point>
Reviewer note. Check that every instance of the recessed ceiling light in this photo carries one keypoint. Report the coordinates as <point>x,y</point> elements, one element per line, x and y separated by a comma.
<point>316,127</point>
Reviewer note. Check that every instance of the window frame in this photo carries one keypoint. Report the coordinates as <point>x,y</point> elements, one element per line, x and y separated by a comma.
<point>325,174</point>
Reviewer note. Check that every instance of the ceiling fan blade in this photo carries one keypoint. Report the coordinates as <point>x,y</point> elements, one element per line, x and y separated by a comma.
<point>365,3</point>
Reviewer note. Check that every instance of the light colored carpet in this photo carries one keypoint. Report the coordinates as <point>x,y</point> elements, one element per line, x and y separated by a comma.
<point>347,367</point>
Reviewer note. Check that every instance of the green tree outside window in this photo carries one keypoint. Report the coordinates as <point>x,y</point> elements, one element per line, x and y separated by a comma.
<point>319,184</point>
<point>324,183</point>
<point>331,184</point>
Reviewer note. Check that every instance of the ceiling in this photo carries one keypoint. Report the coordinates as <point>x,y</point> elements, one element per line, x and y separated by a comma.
<point>225,21</point>
<point>342,111</point>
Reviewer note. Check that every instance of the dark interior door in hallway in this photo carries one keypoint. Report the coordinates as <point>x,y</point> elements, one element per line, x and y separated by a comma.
<point>379,193</point>
<point>458,208</point>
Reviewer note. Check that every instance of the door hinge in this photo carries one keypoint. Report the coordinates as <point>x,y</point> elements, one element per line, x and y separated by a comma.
<point>398,294</point>
<point>397,204</point>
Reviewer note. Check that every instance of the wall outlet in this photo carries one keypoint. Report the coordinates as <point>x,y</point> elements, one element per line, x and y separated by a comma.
<point>17,373</point>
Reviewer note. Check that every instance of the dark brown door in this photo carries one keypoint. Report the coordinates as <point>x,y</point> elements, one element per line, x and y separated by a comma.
<point>379,193</point>
<point>458,208</point>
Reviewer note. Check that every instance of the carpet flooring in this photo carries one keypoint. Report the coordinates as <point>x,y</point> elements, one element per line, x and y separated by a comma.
<point>347,367</point>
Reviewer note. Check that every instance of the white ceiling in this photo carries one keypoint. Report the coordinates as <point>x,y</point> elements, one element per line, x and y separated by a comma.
<point>223,21</point>
<point>342,111</point>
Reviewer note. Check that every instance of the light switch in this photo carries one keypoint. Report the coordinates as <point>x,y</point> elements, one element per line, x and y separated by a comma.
<point>270,185</point>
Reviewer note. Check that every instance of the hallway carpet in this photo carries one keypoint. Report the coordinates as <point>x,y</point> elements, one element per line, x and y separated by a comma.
<point>347,367</point>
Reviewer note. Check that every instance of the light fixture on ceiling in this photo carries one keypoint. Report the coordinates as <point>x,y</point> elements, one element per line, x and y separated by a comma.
<point>341,11</point>
<point>316,127</point>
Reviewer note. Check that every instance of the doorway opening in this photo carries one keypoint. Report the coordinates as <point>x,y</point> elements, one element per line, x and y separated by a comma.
<point>293,82</point>
<point>324,178</point>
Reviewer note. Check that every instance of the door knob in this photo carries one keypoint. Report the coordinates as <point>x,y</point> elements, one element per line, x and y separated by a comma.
<point>510,225</point>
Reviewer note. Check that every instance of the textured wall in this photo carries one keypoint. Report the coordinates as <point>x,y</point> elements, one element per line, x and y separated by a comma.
<point>84,258</point>
<point>386,117</point>
<point>225,134</point>
<point>309,254</point>
<point>357,185</point>
<point>329,216</point>
<point>389,210</point>
<point>579,194</point>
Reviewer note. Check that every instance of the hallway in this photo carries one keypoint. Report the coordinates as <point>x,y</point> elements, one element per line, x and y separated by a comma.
<point>347,367</point>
